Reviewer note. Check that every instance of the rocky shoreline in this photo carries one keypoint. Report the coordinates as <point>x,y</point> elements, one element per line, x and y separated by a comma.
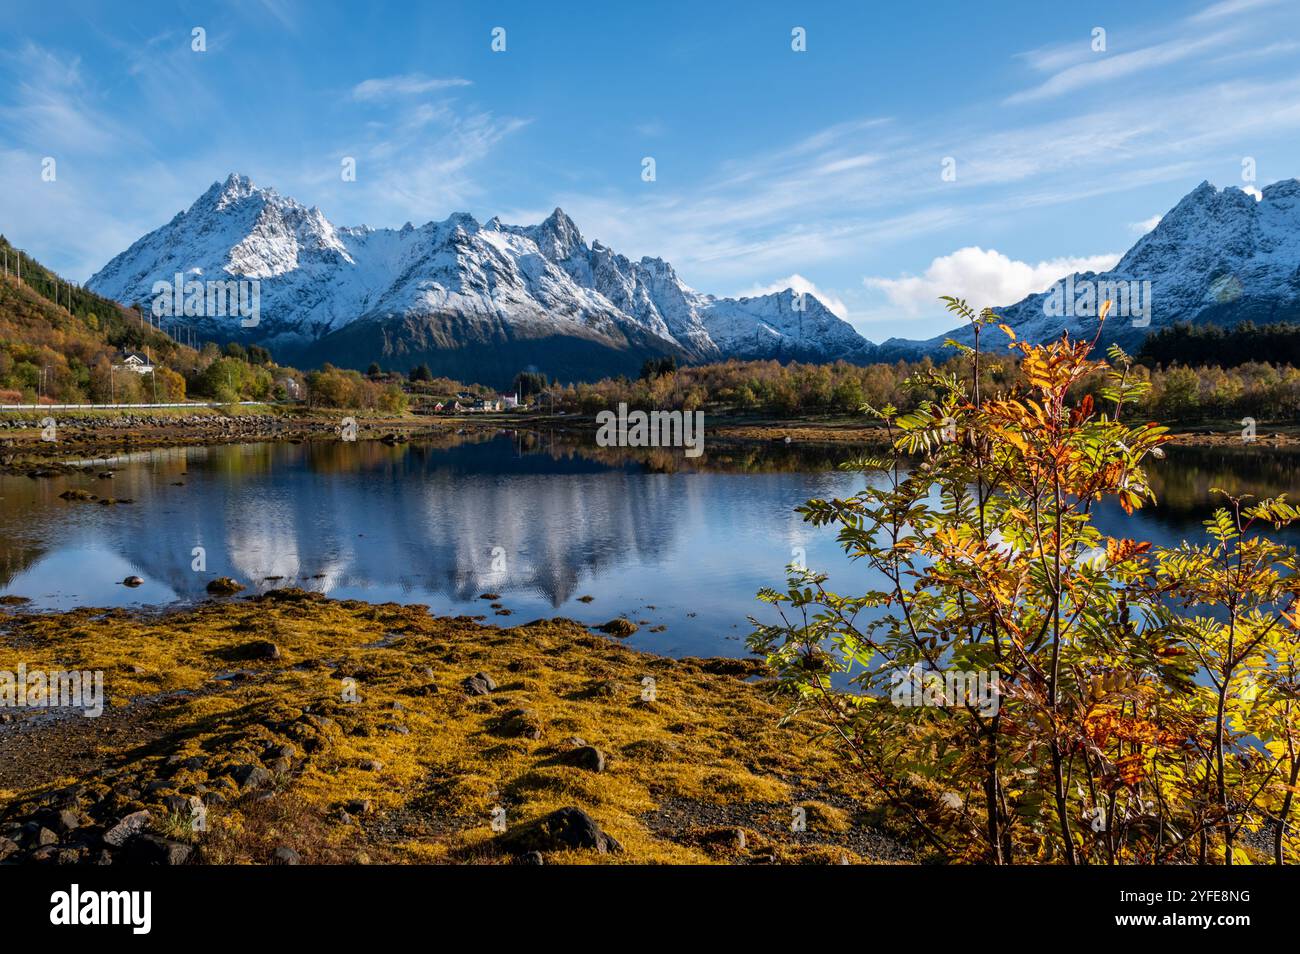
<point>84,437</point>
<point>291,728</point>
<point>89,437</point>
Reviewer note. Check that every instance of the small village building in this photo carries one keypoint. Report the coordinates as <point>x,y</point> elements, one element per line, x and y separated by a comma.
<point>292,389</point>
<point>134,361</point>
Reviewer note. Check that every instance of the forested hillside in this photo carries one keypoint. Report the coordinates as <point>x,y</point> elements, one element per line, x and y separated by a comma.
<point>58,340</point>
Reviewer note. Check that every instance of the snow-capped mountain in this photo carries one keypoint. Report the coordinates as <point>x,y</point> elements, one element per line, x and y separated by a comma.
<point>474,301</point>
<point>1220,256</point>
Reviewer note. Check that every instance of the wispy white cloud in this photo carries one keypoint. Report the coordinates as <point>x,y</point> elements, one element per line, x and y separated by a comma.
<point>406,84</point>
<point>1229,8</point>
<point>1106,67</point>
<point>50,107</point>
<point>1145,226</point>
<point>825,201</point>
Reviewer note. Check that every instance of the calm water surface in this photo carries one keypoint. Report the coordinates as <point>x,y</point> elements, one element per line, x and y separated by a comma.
<point>664,541</point>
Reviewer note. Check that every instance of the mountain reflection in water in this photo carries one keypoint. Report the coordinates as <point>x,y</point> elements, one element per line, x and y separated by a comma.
<point>539,519</point>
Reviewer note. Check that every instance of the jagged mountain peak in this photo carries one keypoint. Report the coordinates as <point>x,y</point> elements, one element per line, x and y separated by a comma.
<point>1220,256</point>
<point>557,236</point>
<point>456,293</point>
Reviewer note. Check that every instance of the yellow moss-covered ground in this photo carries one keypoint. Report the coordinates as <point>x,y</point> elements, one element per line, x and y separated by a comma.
<point>382,768</point>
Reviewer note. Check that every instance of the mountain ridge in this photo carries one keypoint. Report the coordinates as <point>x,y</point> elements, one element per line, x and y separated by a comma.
<point>489,299</point>
<point>477,299</point>
<point>1219,256</point>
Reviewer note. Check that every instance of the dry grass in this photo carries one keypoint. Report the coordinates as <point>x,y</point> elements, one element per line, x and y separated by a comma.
<point>447,759</point>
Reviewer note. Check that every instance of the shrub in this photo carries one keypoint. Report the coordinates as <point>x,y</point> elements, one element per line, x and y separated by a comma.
<point>1119,729</point>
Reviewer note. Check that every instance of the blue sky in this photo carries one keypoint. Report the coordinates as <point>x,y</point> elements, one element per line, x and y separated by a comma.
<point>820,168</point>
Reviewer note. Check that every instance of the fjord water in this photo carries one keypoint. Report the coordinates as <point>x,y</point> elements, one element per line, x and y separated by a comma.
<point>537,519</point>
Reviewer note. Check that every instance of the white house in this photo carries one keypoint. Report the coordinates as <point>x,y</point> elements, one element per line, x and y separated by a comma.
<point>134,361</point>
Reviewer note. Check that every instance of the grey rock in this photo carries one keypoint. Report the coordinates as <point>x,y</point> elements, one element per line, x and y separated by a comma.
<point>564,828</point>
<point>479,684</point>
<point>182,805</point>
<point>155,850</point>
<point>127,828</point>
<point>586,757</point>
<point>249,777</point>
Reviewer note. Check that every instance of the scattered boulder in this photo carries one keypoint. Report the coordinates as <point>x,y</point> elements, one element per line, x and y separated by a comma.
<point>521,723</point>
<point>479,684</point>
<point>530,858</point>
<point>224,586</point>
<point>585,757</point>
<point>127,828</point>
<point>285,856</point>
<point>183,805</point>
<point>619,627</point>
<point>249,777</point>
<point>259,649</point>
<point>156,850</point>
<point>424,689</point>
<point>727,839</point>
<point>133,581</point>
<point>602,689</point>
<point>585,599</point>
<point>370,765</point>
<point>564,828</point>
<point>489,596</point>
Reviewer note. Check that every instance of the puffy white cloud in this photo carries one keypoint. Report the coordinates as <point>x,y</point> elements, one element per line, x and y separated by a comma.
<point>801,284</point>
<point>1146,225</point>
<point>984,277</point>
